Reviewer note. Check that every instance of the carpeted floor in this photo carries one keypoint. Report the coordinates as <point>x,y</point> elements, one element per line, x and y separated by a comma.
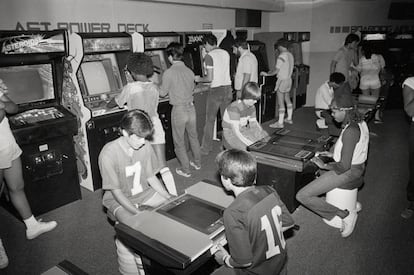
<point>382,243</point>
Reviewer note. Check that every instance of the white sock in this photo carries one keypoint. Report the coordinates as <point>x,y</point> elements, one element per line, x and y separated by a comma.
<point>281,115</point>
<point>289,111</point>
<point>168,179</point>
<point>30,222</point>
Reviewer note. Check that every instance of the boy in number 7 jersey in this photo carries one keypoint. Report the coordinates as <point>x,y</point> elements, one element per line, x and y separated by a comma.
<point>254,222</point>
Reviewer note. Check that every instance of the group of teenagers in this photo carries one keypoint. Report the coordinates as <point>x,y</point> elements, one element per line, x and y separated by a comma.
<point>136,178</point>
<point>255,221</point>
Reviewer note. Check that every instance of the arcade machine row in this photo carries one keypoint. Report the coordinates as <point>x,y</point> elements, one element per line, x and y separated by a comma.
<point>95,75</point>
<point>32,67</point>
<point>155,44</point>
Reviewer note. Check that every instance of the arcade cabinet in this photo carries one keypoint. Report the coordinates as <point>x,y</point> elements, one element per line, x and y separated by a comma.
<point>32,67</point>
<point>155,44</point>
<point>96,75</point>
<point>194,53</point>
<point>266,109</point>
<point>283,161</point>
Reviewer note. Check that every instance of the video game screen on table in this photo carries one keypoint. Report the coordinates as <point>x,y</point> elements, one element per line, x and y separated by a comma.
<point>196,213</point>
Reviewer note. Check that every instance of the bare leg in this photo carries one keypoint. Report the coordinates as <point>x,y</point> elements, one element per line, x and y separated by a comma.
<point>160,152</point>
<point>15,184</point>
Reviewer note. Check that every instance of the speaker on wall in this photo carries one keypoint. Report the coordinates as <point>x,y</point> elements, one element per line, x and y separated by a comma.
<point>248,18</point>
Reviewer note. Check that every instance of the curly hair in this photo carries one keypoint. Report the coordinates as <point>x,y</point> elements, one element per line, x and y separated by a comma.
<point>140,64</point>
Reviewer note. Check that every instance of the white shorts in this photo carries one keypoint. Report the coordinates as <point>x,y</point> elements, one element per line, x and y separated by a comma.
<point>8,154</point>
<point>369,82</point>
<point>159,134</point>
<point>283,85</point>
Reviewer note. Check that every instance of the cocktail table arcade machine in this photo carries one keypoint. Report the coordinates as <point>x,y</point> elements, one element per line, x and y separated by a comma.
<point>181,236</point>
<point>283,161</point>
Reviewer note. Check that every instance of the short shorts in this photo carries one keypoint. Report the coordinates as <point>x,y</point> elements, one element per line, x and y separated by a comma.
<point>8,154</point>
<point>283,85</point>
<point>369,82</point>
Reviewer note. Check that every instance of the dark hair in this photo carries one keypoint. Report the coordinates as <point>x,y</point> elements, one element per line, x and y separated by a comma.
<point>237,165</point>
<point>367,50</point>
<point>175,50</point>
<point>337,78</point>
<point>211,39</point>
<point>138,122</point>
<point>343,100</point>
<point>352,37</point>
<point>283,43</point>
<point>140,64</point>
<point>251,90</point>
<point>241,42</point>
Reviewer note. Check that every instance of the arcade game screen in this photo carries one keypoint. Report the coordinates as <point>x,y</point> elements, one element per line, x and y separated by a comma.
<point>29,83</point>
<point>195,213</point>
<point>100,74</point>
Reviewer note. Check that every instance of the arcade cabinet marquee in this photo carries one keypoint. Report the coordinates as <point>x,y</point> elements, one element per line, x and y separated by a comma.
<point>31,66</point>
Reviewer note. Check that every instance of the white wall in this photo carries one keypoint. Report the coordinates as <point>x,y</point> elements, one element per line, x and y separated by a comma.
<point>155,16</point>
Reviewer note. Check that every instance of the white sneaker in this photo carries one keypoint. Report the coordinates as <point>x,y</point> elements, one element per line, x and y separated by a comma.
<point>180,172</point>
<point>335,222</point>
<point>4,260</point>
<point>195,166</point>
<point>276,125</point>
<point>40,228</point>
<point>348,224</point>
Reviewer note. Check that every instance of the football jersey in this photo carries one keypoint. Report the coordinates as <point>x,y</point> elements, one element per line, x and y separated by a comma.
<point>127,171</point>
<point>253,224</point>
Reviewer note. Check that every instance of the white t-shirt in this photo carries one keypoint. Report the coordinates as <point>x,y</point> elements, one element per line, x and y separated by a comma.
<point>247,65</point>
<point>361,148</point>
<point>324,96</point>
<point>285,63</point>
<point>219,60</point>
<point>410,83</point>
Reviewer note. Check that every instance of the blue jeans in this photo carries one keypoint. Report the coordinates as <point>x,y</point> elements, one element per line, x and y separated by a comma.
<point>183,120</point>
<point>218,98</point>
<point>309,195</point>
<point>410,186</point>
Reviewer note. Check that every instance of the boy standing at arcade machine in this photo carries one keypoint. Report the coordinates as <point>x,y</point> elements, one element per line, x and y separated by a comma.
<point>283,70</point>
<point>217,62</point>
<point>143,94</point>
<point>254,222</point>
<point>11,173</point>
<point>178,82</point>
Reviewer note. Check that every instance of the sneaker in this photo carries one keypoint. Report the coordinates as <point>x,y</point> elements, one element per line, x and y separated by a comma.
<point>4,260</point>
<point>348,224</point>
<point>40,228</point>
<point>378,121</point>
<point>195,166</point>
<point>288,121</point>
<point>334,222</point>
<point>182,173</point>
<point>276,125</point>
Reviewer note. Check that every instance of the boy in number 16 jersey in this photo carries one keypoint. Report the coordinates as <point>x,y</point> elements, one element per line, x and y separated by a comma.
<point>254,222</point>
